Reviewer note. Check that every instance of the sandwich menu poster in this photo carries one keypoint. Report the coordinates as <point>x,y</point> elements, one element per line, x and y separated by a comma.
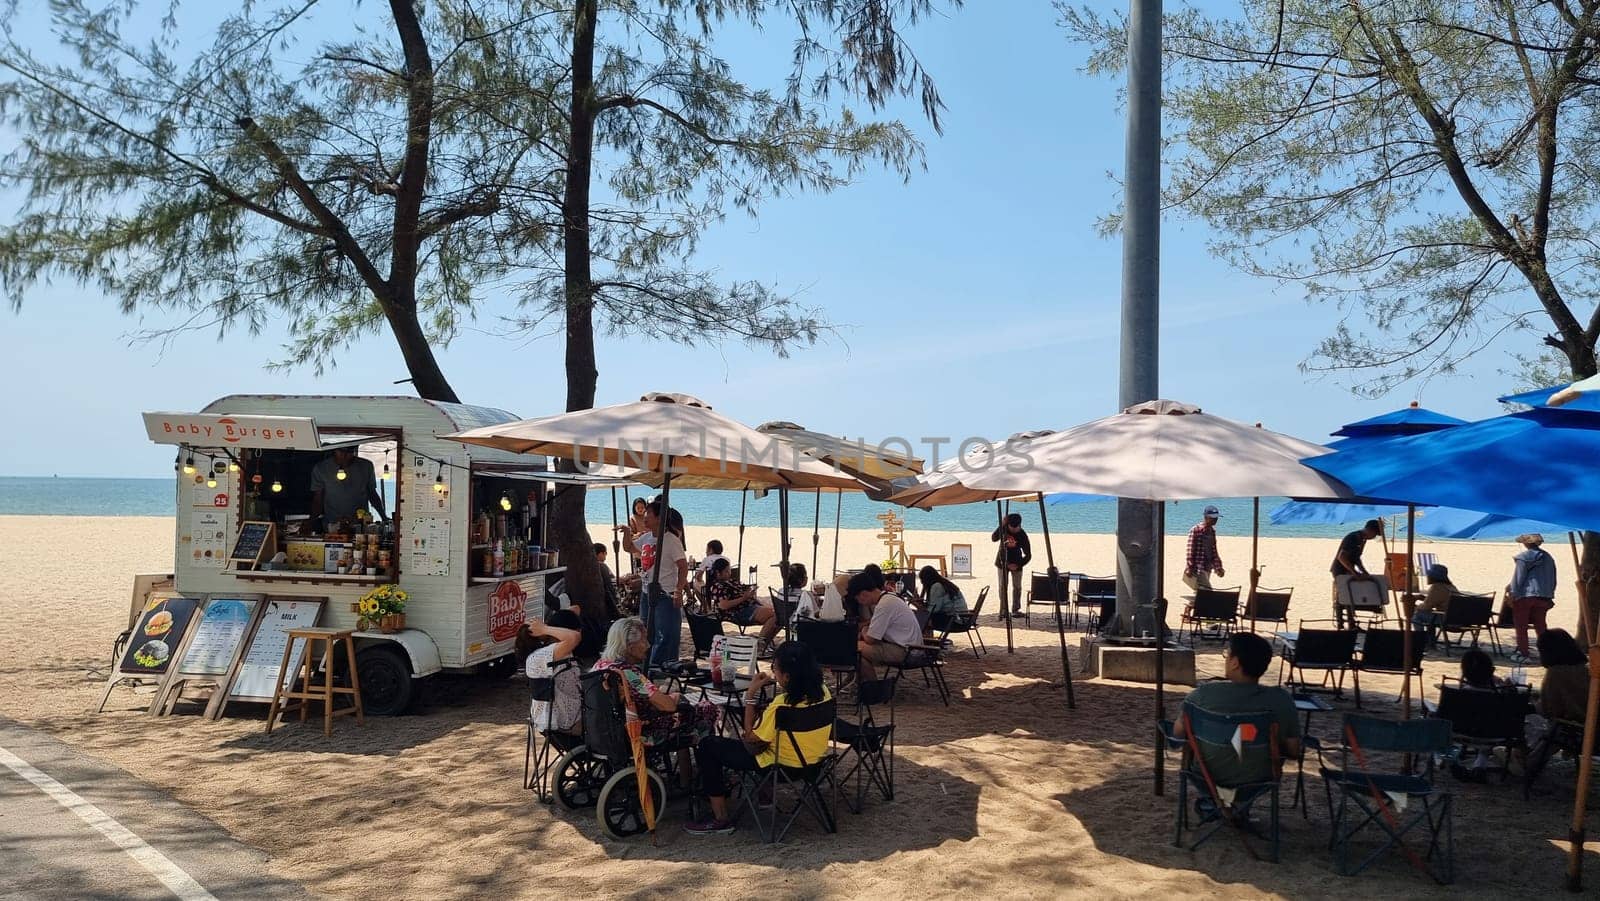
<point>157,634</point>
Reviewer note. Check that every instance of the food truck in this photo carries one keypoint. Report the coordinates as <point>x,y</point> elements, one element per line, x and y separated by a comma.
<point>462,529</point>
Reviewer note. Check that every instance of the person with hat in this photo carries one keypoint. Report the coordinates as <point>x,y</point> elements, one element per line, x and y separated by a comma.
<point>1532,591</point>
<point>1201,559</point>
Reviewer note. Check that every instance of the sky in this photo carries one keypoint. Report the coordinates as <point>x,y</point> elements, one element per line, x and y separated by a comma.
<point>974,300</point>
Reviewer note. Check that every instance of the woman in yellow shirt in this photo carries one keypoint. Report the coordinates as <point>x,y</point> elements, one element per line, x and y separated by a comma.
<point>800,685</point>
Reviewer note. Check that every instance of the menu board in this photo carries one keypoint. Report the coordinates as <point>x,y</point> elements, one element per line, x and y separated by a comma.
<point>427,546</point>
<point>209,538</point>
<point>427,486</point>
<point>157,634</point>
<point>262,659</point>
<point>961,559</point>
<point>255,540</point>
<point>216,640</point>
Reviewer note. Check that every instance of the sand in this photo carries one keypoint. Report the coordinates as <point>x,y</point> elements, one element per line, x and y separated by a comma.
<point>1004,793</point>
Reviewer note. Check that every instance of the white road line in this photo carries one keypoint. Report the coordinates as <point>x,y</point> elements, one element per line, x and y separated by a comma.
<point>171,875</point>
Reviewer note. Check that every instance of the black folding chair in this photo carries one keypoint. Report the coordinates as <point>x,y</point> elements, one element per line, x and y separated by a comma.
<point>807,779</point>
<point>1486,719</point>
<point>704,630</point>
<point>929,660</point>
<point>869,740</point>
<point>1098,594</point>
<point>783,607</point>
<point>963,624</point>
<point>1208,738</point>
<point>833,644</point>
<point>1560,735</point>
<point>1467,613</point>
<point>539,757</point>
<point>1383,651</point>
<point>1269,606</point>
<point>1213,608</point>
<point>1367,790</point>
<point>1042,594</point>
<point>1328,651</point>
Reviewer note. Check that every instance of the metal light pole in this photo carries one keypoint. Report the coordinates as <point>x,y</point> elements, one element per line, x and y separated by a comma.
<point>1141,289</point>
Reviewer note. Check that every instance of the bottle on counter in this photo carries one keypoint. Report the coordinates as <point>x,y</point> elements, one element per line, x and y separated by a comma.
<point>499,560</point>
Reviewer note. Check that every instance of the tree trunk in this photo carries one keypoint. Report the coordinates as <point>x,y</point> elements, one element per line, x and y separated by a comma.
<point>567,512</point>
<point>426,376</point>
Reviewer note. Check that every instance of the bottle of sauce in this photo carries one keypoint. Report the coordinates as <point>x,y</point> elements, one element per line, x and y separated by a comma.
<point>499,560</point>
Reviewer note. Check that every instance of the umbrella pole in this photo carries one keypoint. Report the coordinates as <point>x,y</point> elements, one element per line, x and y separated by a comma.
<point>627,504</point>
<point>1000,567</point>
<point>616,542</point>
<point>838,510</point>
<point>1405,624</point>
<point>783,536</point>
<point>1161,642</point>
<point>738,565</point>
<point>1255,558</point>
<point>1591,721</point>
<point>1055,601</point>
<point>816,534</point>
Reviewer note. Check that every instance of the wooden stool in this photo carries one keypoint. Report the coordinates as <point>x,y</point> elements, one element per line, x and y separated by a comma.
<point>311,691</point>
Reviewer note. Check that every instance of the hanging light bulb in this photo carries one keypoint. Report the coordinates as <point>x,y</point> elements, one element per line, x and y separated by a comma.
<point>386,474</point>
<point>438,480</point>
<point>211,481</point>
<point>277,486</point>
<point>188,465</point>
<point>505,502</point>
<point>233,465</point>
<point>340,475</point>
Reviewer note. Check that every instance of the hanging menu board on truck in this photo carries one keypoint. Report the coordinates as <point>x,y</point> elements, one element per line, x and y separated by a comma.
<point>265,653</point>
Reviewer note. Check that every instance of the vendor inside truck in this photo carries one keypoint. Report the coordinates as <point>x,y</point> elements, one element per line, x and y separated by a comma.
<point>342,485</point>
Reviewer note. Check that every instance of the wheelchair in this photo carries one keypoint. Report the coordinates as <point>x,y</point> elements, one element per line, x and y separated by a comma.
<point>599,773</point>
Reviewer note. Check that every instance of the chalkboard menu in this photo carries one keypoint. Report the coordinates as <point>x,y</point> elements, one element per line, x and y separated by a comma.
<point>157,635</point>
<point>253,545</point>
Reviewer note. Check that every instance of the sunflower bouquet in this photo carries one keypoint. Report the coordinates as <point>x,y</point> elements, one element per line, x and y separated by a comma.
<point>383,607</point>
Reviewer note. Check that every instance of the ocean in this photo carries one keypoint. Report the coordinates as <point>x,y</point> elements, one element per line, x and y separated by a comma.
<point>155,497</point>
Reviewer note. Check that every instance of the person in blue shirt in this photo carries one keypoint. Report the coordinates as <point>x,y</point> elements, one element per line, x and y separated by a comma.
<point>1532,591</point>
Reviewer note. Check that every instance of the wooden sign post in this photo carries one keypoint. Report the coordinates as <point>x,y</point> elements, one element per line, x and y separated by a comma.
<point>257,542</point>
<point>893,536</point>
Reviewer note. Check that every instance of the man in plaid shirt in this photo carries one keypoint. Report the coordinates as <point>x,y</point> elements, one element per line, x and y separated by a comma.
<point>1202,558</point>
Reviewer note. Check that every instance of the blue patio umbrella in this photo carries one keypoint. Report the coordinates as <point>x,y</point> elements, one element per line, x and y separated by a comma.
<point>1449,522</point>
<point>1540,397</point>
<point>1412,420</point>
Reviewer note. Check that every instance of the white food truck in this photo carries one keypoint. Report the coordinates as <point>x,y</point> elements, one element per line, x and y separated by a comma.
<point>465,538</point>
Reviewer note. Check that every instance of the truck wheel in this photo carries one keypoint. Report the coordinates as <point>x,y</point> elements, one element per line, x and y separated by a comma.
<point>386,688</point>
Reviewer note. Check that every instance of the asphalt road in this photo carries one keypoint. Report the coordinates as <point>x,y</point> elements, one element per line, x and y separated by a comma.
<point>72,827</point>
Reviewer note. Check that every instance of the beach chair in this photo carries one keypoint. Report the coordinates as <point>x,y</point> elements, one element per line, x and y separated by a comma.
<point>545,743</point>
<point>1383,651</point>
<point>964,624</point>
<point>704,629</point>
<point>1425,561</point>
<point>1371,790</point>
<point>783,607</point>
<point>1328,651</point>
<point>1486,719</point>
<point>1251,738</point>
<point>1467,613</point>
<point>1269,606</point>
<point>833,644</point>
<point>1097,594</point>
<point>1213,608</point>
<point>1041,593</point>
<point>869,740</point>
<point>807,779</point>
<point>1559,736</point>
<point>929,660</point>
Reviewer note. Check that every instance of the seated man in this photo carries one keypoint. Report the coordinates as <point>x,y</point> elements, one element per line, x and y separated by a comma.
<point>890,629</point>
<point>1248,656</point>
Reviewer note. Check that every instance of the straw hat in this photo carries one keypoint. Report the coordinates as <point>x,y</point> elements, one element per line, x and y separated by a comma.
<point>1530,539</point>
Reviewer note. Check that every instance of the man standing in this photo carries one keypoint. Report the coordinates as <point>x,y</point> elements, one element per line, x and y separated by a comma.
<point>1014,553</point>
<point>1202,558</point>
<point>342,485</point>
<point>1347,567</point>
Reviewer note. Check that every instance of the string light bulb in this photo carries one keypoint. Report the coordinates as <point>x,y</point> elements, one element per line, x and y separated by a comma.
<point>277,486</point>
<point>211,481</point>
<point>438,481</point>
<point>233,465</point>
<point>188,465</point>
<point>340,475</point>
<point>387,475</point>
<point>505,502</point>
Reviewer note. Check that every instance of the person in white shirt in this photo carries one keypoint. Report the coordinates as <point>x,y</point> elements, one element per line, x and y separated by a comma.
<point>547,643</point>
<point>713,554</point>
<point>665,607</point>
<point>892,629</point>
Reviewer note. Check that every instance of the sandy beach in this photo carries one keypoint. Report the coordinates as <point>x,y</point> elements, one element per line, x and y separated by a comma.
<point>1004,793</point>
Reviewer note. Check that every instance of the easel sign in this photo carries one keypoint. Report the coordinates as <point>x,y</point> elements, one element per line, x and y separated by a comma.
<point>158,633</point>
<point>257,541</point>
<point>961,560</point>
<point>212,654</point>
<point>264,654</point>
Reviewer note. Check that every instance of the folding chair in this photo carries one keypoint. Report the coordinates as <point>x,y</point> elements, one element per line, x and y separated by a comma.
<point>807,779</point>
<point>1562,735</point>
<point>871,742</point>
<point>834,647</point>
<point>929,659</point>
<point>1093,593</point>
<point>964,624</point>
<point>1383,651</point>
<point>539,757</point>
<point>1270,606</point>
<point>1368,794</point>
<point>704,630</point>
<point>739,657</point>
<point>1216,608</point>
<point>783,607</point>
<point>1492,719</point>
<point>1042,594</point>
<point>1425,562</point>
<point>1467,613</point>
<point>1209,738</point>
<point>1328,651</point>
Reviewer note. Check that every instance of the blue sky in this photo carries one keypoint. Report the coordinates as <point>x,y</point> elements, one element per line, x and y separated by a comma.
<point>974,300</point>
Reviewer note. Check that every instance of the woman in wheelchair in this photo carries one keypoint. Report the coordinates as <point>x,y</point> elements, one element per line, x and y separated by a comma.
<point>736,602</point>
<point>543,645</point>
<point>800,679</point>
<point>669,721</point>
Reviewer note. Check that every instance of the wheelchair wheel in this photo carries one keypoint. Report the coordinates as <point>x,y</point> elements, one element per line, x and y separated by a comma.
<point>619,812</point>
<point>578,778</point>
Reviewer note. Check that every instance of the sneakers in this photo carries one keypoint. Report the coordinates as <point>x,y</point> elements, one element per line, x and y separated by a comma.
<point>709,827</point>
<point>1522,659</point>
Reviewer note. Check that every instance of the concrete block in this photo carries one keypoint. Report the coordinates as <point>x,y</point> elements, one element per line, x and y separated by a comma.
<point>1135,664</point>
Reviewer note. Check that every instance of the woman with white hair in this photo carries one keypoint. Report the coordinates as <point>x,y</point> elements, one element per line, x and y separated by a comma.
<point>667,718</point>
<point>1532,591</point>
